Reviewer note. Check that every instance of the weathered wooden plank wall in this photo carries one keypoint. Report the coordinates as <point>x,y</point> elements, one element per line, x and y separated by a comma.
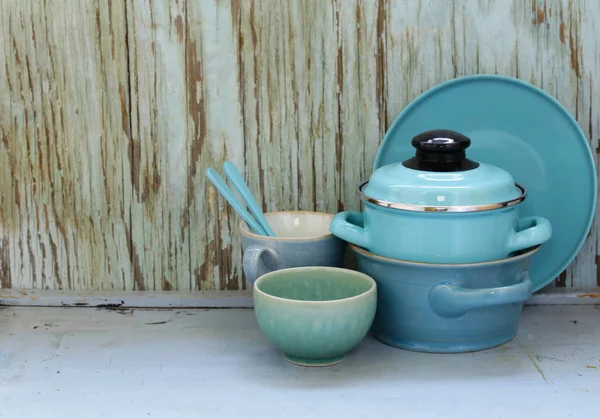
<point>110,111</point>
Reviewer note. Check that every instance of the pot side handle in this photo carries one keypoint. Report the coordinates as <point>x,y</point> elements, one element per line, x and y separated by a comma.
<point>538,230</point>
<point>453,300</point>
<point>342,226</point>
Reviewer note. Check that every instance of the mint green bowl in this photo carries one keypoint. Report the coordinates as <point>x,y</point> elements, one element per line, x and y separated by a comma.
<point>315,315</point>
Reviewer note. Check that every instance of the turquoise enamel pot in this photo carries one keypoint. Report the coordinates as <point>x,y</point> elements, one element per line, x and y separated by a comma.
<point>440,207</point>
<point>447,308</point>
<point>431,237</point>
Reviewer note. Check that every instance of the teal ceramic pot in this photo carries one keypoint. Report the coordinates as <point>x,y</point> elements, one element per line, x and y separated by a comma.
<point>447,308</point>
<point>315,315</point>
<point>302,239</point>
<point>441,207</point>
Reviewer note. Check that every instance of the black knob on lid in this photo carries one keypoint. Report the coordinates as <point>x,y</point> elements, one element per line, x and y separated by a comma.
<point>440,150</point>
<point>441,140</point>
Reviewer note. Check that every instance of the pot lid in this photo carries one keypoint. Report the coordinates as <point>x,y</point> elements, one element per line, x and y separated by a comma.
<point>441,175</point>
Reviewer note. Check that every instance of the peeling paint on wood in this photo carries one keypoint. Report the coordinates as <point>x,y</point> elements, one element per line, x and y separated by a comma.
<point>112,111</point>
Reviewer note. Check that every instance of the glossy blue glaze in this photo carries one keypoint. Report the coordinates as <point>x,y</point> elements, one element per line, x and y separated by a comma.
<point>520,128</point>
<point>445,308</point>
<point>302,239</point>
<point>440,237</point>
<point>484,185</point>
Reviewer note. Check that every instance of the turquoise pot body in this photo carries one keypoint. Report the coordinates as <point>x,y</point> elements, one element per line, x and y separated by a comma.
<point>444,237</point>
<point>446,308</point>
<point>315,315</point>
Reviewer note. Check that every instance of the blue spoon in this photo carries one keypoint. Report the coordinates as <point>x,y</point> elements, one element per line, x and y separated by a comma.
<point>220,184</point>
<point>240,185</point>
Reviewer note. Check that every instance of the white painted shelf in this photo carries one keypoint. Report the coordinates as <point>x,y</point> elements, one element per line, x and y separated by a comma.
<point>216,299</point>
<point>215,363</point>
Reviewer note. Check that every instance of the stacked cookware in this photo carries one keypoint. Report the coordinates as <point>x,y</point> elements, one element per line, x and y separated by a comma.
<point>442,237</point>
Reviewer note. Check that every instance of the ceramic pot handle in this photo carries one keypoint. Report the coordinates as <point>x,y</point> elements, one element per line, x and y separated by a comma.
<point>343,227</point>
<point>454,300</point>
<point>257,261</point>
<point>538,232</point>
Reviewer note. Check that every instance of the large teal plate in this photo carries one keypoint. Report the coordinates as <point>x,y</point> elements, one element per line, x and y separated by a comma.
<point>520,128</point>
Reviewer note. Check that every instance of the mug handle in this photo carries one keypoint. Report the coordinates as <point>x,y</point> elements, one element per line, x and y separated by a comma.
<point>252,266</point>
<point>538,232</point>
<point>342,227</point>
<point>453,300</point>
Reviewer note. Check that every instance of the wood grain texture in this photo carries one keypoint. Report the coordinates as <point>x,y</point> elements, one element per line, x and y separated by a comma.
<point>158,145</point>
<point>112,110</point>
<point>64,197</point>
